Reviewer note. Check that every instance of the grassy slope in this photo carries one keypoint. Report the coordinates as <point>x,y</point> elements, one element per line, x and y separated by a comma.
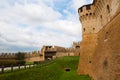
<point>54,71</point>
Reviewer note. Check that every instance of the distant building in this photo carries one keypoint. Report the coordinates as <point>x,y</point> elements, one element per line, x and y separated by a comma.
<point>51,52</point>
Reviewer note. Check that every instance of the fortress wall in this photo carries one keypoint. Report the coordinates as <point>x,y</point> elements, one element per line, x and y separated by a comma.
<point>32,59</point>
<point>61,54</point>
<point>104,11</point>
<point>87,49</point>
<point>77,52</point>
<point>100,48</point>
<point>71,54</point>
<point>76,48</point>
<point>34,56</point>
<point>106,59</point>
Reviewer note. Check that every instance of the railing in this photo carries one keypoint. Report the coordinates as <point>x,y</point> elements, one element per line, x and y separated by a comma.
<point>18,68</point>
<point>13,68</point>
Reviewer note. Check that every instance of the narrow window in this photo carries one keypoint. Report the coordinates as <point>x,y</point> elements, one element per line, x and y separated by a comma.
<point>90,61</point>
<point>81,10</point>
<point>90,13</point>
<point>88,7</point>
<point>101,16</point>
<point>86,14</point>
<point>106,35</point>
<point>108,8</point>
<point>106,32</point>
<point>84,29</point>
<point>77,47</point>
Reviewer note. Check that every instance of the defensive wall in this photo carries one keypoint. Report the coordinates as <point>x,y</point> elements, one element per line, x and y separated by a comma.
<point>29,56</point>
<point>100,46</point>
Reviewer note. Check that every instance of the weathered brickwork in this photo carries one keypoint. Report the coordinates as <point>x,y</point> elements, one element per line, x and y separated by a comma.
<point>34,56</point>
<point>100,47</point>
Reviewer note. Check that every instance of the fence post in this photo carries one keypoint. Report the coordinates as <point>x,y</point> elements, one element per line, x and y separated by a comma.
<point>19,66</point>
<point>25,66</point>
<point>11,68</point>
<point>37,65</point>
<point>29,65</point>
<point>2,68</point>
<point>33,65</point>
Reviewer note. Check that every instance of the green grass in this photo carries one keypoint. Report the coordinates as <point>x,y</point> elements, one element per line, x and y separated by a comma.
<point>27,63</point>
<point>53,71</point>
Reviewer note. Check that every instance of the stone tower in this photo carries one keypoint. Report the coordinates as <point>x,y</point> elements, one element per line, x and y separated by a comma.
<point>89,37</point>
<point>100,46</point>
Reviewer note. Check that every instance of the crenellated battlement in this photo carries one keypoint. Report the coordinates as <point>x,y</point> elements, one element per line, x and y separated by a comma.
<point>70,49</point>
<point>97,15</point>
<point>86,10</point>
<point>75,44</point>
<point>33,54</point>
<point>27,55</point>
<point>7,56</point>
<point>87,15</point>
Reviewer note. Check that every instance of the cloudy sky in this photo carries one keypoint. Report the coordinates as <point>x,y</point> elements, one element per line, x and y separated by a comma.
<point>26,25</point>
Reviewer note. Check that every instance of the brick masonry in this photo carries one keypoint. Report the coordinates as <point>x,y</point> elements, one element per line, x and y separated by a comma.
<point>100,47</point>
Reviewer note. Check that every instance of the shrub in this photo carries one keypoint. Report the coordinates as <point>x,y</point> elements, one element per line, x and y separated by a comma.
<point>37,62</point>
<point>8,63</point>
<point>20,56</point>
<point>21,62</point>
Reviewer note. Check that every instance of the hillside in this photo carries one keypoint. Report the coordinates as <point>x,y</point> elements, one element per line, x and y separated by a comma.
<point>54,71</point>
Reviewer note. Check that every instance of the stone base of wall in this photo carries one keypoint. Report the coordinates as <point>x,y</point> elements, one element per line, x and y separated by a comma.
<point>106,59</point>
<point>32,59</point>
<point>86,52</point>
<point>61,54</point>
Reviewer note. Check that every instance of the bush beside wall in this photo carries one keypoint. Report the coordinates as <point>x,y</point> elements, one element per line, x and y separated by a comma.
<point>8,63</point>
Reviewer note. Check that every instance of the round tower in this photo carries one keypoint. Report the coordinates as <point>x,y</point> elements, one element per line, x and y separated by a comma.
<point>87,18</point>
<point>89,37</point>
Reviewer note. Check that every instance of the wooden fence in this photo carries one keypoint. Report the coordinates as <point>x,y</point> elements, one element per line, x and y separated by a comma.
<point>21,67</point>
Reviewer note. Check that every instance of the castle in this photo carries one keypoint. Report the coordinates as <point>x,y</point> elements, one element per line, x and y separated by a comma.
<point>47,52</point>
<point>51,52</point>
<point>100,45</point>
